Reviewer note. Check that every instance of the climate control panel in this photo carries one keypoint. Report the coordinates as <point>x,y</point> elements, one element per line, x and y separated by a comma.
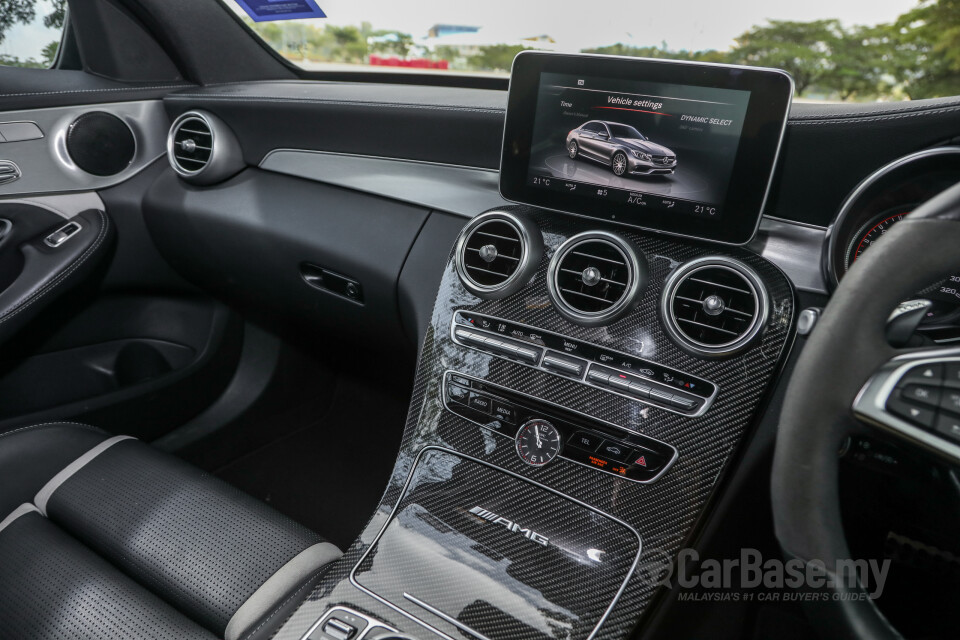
<point>543,433</point>
<point>635,378</point>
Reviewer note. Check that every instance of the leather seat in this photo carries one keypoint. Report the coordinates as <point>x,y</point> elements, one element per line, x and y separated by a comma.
<point>106,537</point>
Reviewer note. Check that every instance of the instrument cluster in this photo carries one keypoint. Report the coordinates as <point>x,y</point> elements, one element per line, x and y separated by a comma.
<point>878,204</point>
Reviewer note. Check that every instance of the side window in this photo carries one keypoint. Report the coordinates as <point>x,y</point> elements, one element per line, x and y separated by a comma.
<point>30,32</point>
<point>593,127</point>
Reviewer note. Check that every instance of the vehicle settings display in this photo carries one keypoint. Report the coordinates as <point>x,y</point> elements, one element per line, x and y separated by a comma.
<point>644,144</point>
<point>682,148</point>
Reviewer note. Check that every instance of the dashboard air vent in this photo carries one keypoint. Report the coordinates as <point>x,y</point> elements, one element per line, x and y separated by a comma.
<point>202,149</point>
<point>596,277</point>
<point>192,144</point>
<point>497,253</point>
<point>714,306</point>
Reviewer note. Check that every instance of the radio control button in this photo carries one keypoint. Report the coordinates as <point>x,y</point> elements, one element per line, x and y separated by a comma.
<point>598,377</point>
<point>460,380</point>
<point>479,402</point>
<point>458,394</point>
<point>563,364</point>
<point>585,440</point>
<point>681,402</point>
<point>640,390</point>
<point>615,450</point>
<point>504,412</point>
<point>661,396</point>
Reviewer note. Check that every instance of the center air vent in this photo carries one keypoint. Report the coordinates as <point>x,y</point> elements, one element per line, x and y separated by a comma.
<point>596,277</point>
<point>497,254</point>
<point>202,149</point>
<point>714,306</point>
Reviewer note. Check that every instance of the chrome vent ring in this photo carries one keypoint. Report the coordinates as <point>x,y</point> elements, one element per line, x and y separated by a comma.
<point>202,149</point>
<point>497,253</point>
<point>596,277</point>
<point>714,306</point>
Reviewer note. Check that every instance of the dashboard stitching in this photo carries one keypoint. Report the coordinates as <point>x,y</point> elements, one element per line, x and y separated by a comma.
<point>875,118</point>
<point>891,114</point>
<point>351,103</point>
<point>104,90</point>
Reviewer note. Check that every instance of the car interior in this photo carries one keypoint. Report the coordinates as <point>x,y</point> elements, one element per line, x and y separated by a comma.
<point>379,355</point>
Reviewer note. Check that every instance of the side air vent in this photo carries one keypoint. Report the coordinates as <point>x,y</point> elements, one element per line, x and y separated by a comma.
<point>596,277</point>
<point>202,149</point>
<point>714,306</point>
<point>497,253</point>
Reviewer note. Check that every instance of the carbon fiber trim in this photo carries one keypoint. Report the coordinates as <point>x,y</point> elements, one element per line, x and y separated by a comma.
<point>663,513</point>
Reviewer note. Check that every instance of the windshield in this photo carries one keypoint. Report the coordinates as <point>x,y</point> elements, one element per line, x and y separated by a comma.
<point>624,131</point>
<point>836,50</point>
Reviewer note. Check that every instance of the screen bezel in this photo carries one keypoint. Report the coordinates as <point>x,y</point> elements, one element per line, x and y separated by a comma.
<point>771,92</point>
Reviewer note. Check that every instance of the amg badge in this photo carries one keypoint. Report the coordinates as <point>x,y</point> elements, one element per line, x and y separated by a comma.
<point>510,525</point>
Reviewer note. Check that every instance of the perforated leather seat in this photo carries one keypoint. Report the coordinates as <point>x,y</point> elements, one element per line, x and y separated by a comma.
<point>106,537</point>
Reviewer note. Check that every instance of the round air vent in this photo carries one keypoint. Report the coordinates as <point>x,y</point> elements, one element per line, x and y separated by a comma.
<point>596,277</point>
<point>714,306</point>
<point>497,253</point>
<point>202,149</point>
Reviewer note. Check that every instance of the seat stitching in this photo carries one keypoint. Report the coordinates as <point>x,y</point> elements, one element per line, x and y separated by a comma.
<point>51,424</point>
<point>284,603</point>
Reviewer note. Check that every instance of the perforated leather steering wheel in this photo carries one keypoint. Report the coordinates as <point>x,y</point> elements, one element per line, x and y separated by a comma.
<point>842,383</point>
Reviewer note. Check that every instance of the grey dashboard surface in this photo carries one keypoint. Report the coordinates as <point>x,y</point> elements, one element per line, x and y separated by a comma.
<point>467,191</point>
<point>46,167</point>
<point>827,150</point>
<point>462,190</point>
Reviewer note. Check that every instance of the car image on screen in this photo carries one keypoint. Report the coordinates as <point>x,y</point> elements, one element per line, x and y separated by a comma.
<point>621,147</point>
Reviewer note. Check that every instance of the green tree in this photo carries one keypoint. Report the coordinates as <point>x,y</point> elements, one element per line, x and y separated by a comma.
<point>857,64</point>
<point>925,51</point>
<point>394,43</point>
<point>54,19</point>
<point>801,48</point>
<point>351,46</point>
<point>50,53</point>
<point>13,12</point>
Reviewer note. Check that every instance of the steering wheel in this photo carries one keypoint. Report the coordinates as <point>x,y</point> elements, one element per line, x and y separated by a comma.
<point>848,368</point>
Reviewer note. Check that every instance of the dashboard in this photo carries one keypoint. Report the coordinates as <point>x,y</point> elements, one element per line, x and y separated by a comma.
<point>599,354</point>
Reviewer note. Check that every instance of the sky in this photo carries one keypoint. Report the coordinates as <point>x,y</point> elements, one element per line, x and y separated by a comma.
<point>682,24</point>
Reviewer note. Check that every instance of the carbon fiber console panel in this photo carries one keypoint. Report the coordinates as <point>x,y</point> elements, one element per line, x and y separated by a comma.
<point>447,542</point>
<point>664,513</point>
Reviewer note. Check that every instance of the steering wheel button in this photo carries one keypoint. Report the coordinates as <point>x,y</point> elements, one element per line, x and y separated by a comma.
<point>952,376</point>
<point>950,401</point>
<point>949,426</point>
<point>931,374</point>
<point>922,393</point>
<point>912,413</point>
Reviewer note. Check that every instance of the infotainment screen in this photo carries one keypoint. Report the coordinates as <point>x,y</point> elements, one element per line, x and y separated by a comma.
<point>676,147</point>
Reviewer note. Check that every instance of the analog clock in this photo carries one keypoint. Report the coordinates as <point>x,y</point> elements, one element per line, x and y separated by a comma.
<point>538,442</point>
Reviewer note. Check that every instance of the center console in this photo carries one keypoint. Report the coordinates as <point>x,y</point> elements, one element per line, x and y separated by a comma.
<point>582,389</point>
